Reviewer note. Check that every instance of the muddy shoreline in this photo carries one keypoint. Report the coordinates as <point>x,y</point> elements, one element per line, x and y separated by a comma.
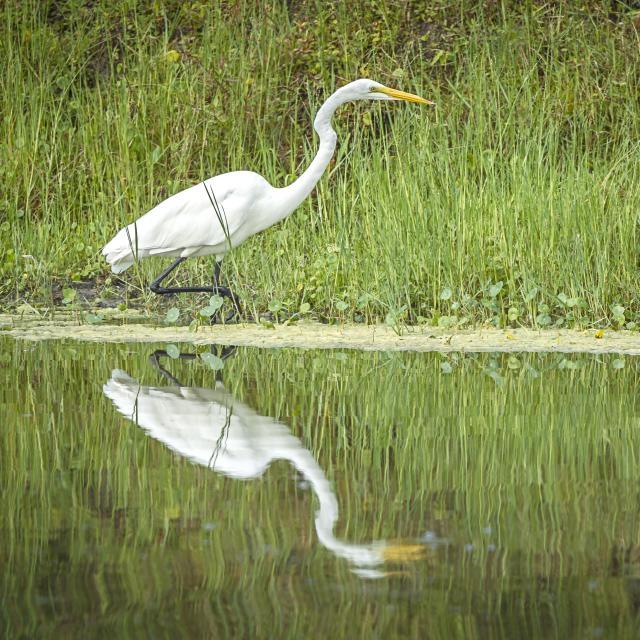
<point>311,335</point>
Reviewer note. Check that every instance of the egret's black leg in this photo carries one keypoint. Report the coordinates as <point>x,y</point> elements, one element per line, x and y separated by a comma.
<point>156,288</point>
<point>217,288</point>
<point>224,292</point>
<point>154,359</point>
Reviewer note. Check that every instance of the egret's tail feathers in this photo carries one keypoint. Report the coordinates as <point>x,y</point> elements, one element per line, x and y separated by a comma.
<point>118,266</point>
<point>119,260</point>
<point>120,251</point>
<point>119,375</point>
<point>126,247</point>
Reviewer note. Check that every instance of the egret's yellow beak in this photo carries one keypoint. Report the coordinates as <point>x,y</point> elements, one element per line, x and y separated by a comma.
<point>402,95</point>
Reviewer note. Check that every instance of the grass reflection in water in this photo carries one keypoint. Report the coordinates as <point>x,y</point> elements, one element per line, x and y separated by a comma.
<point>516,475</point>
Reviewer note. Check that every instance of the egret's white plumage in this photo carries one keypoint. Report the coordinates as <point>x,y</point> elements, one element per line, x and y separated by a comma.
<point>186,224</point>
<point>212,428</point>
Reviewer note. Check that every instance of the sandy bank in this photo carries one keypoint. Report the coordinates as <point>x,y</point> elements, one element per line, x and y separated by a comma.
<point>319,336</point>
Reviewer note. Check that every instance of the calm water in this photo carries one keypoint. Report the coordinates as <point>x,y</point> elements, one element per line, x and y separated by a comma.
<point>310,494</point>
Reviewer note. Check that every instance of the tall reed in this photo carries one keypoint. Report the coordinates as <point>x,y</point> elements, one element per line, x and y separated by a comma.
<point>513,201</point>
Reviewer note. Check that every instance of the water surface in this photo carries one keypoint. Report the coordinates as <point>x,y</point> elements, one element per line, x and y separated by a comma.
<point>317,494</point>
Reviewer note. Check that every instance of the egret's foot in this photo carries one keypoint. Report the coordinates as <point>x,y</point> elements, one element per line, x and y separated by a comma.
<point>215,289</point>
<point>236,309</point>
<point>155,360</point>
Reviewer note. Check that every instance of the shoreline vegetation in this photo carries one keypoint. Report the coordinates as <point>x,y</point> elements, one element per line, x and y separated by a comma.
<point>514,203</point>
<point>135,327</point>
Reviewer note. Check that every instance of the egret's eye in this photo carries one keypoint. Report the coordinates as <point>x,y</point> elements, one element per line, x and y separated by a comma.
<point>372,89</point>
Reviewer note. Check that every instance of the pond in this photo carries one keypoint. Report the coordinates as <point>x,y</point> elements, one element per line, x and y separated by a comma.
<point>305,493</point>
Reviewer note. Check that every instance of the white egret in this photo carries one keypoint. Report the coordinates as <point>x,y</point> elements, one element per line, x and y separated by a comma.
<point>212,428</point>
<point>222,212</point>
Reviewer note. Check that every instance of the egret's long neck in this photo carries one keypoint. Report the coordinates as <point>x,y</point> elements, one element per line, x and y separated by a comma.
<point>327,514</point>
<point>295,193</point>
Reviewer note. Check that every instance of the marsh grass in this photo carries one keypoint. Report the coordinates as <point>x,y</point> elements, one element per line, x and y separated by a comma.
<point>532,460</point>
<point>514,201</point>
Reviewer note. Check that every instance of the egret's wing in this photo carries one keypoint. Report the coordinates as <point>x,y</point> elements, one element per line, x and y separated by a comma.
<point>204,219</point>
<point>199,424</point>
<point>207,214</point>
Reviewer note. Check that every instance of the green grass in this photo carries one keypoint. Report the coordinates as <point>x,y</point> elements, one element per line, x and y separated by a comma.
<point>514,201</point>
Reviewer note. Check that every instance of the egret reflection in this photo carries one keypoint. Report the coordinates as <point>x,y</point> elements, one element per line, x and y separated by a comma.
<point>209,426</point>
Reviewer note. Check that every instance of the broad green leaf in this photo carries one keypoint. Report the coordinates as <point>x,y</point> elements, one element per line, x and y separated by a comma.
<point>618,313</point>
<point>543,320</point>
<point>513,362</point>
<point>216,301</point>
<point>531,294</point>
<point>208,311</point>
<point>446,322</point>
<point>495,376</point>
<point>68,295</point>
<point>94,318</point>
<point>213,361</point>
<point>495,289</point>
<point>172,315</point>
<point>172,351</point>
<point>446,367</point>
